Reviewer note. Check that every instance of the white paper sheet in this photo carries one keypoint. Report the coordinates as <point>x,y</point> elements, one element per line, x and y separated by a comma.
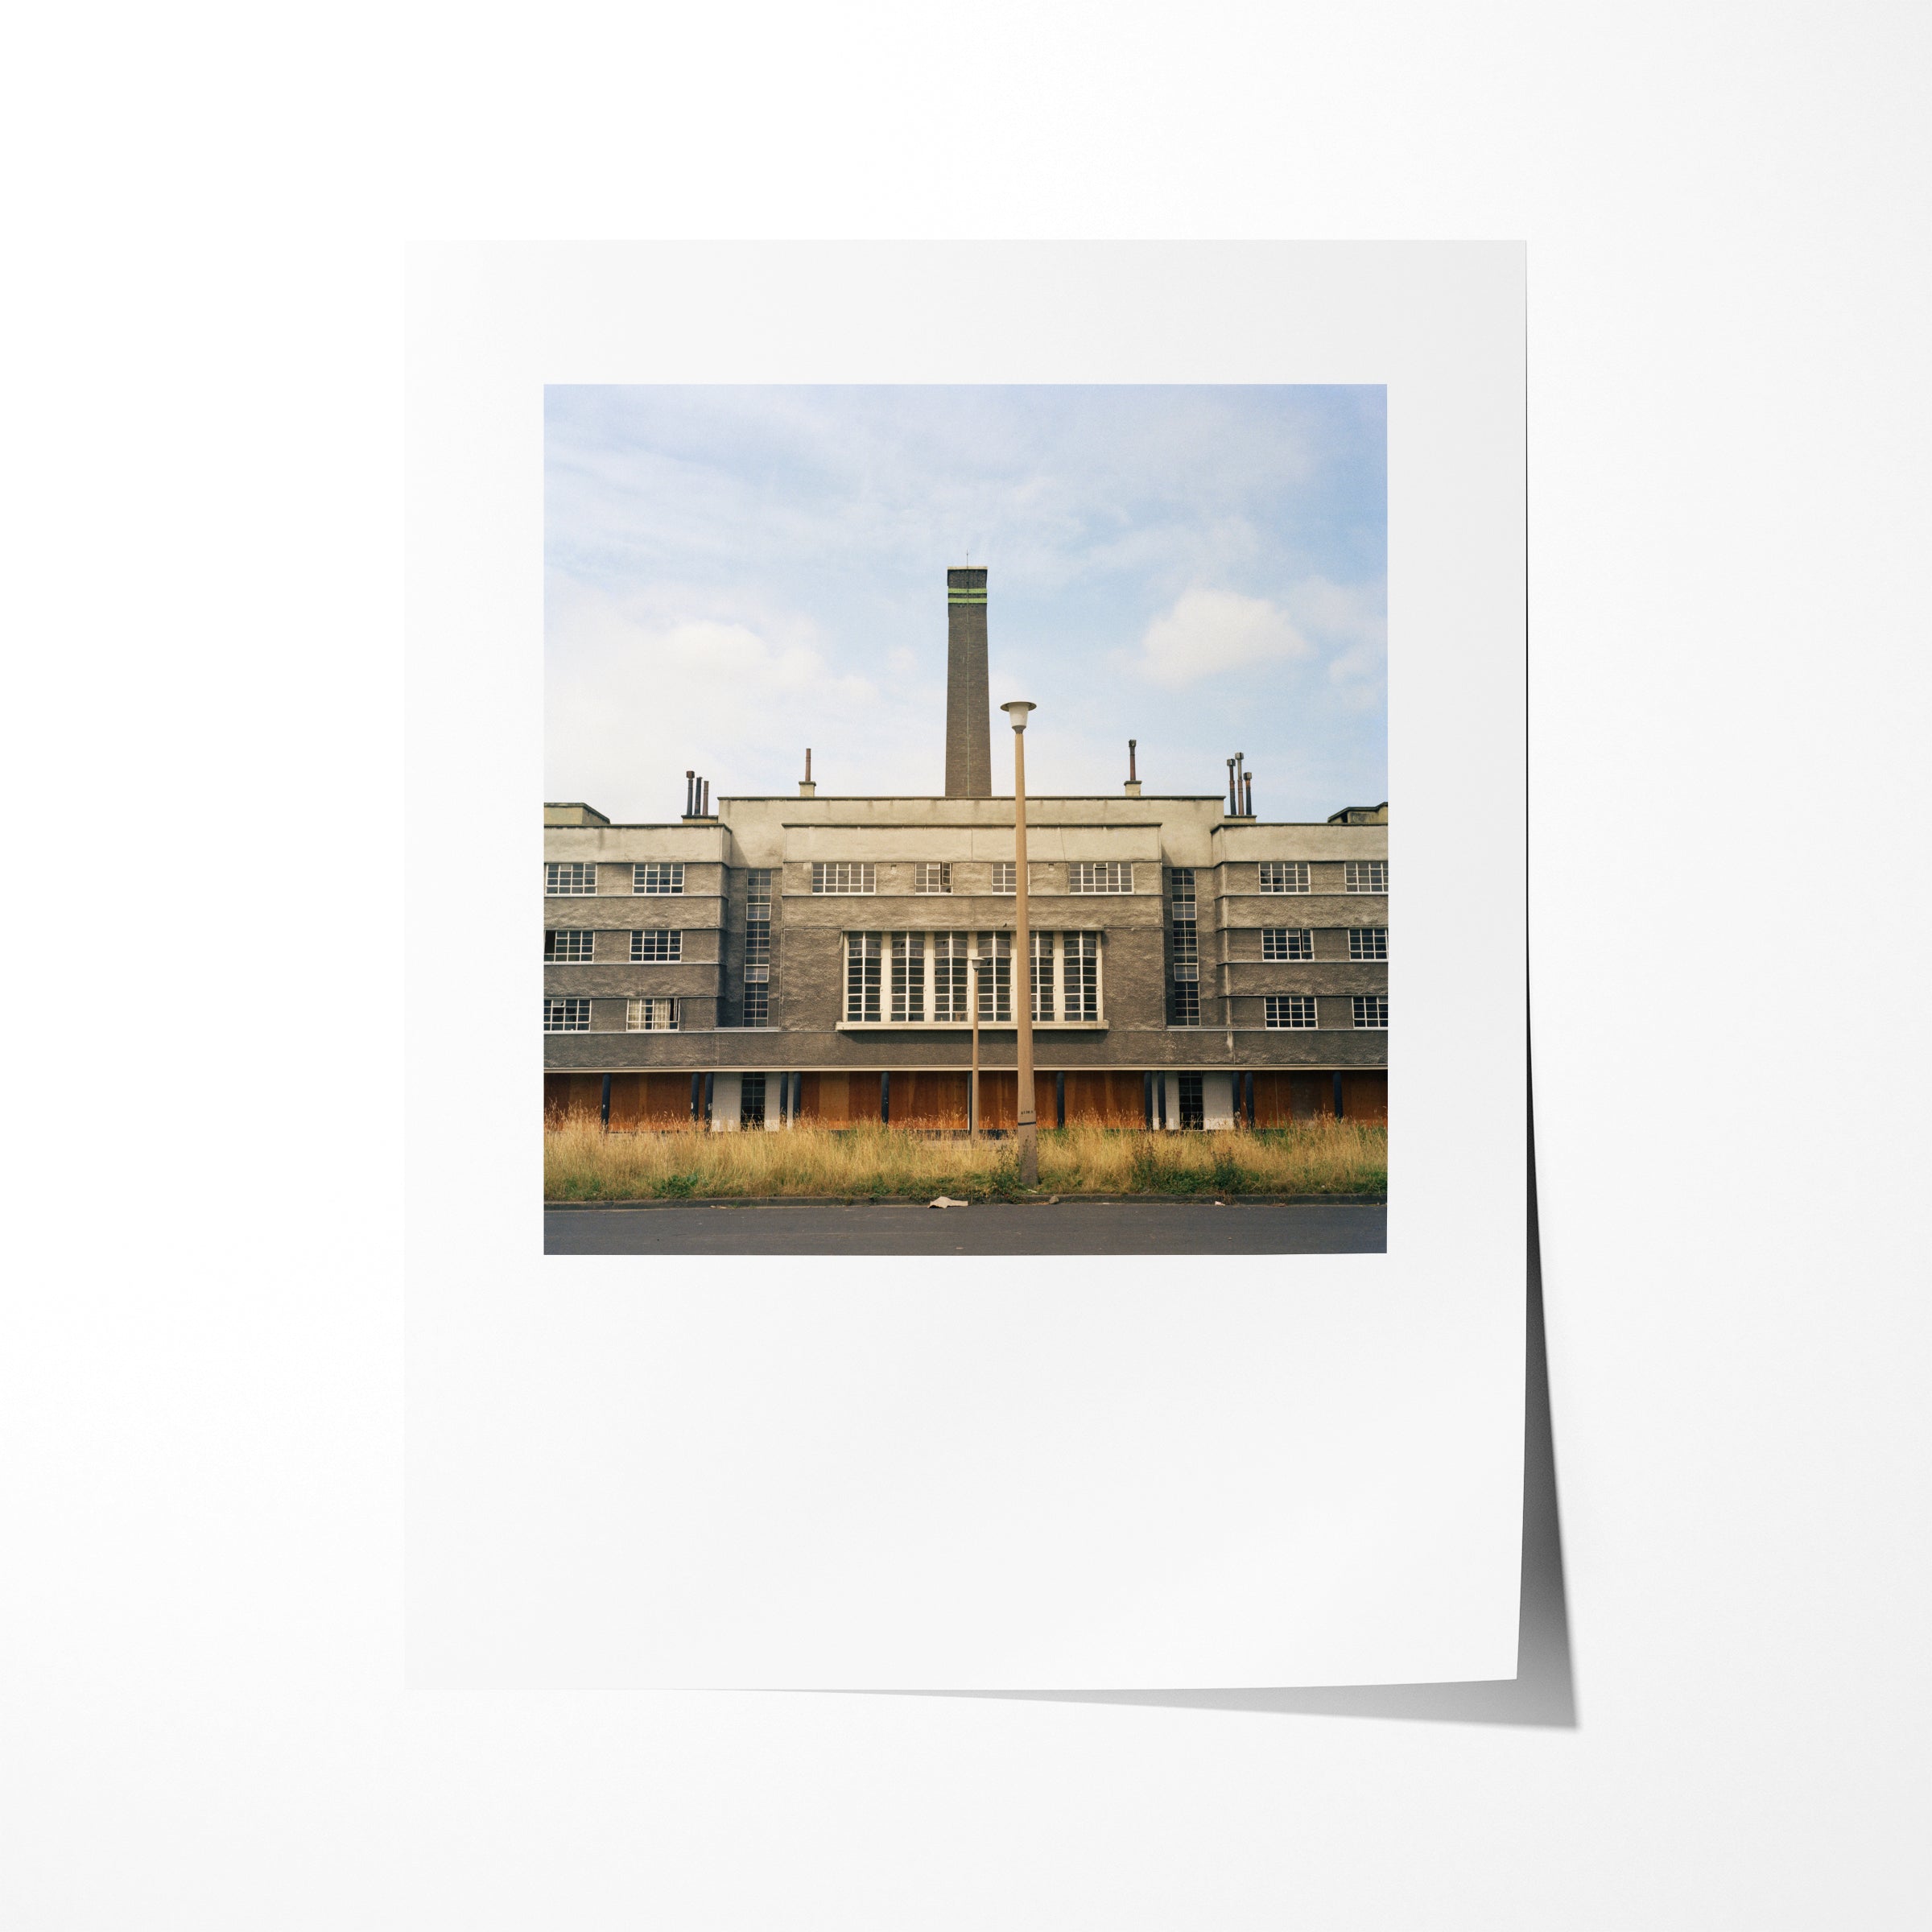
<point>1113,1472</point>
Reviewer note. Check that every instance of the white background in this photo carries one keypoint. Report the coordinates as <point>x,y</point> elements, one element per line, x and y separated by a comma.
<point>1725,209</point>
<point>858,1471</point>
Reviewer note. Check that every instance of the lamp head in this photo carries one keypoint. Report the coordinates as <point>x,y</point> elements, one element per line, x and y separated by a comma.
<point>1017,711</point>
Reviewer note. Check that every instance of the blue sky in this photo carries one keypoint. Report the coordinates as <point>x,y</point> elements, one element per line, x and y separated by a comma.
<point>734,574</point>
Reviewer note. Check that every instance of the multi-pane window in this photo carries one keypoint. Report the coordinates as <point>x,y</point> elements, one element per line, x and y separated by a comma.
<point>1194,1111</point>
<point>569,881</point>
<point>1186,1003</point>
<point>566,949</point>
<point>1372,1011</point>
<point>862,975</point>
<point>1365,875</point>
<point>1367,941</point>
<point>656,949</point>
<point>1285,875</point>
<point>757,1007</point>
<point>567,1016</point>
<point>1042,975</point>
<point>1100,875</point>
<point>845,878</point>
<point>657,878</point>
<point>1290,1010</point>
<point>751,1100</point>
<point>1080,970</point>
<point>1187,952</point>
<point>932,878</point>
<point>1180,891</point>
<point>650,1016</point>
<point>758,928</point>
<point>1287,943</point>
<point>909,976</point>
<point>996,975</point>
<point>949,975</point>
<point>1002,880</point>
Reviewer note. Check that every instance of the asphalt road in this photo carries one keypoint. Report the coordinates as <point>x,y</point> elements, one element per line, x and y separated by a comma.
<point>1071,1228</point>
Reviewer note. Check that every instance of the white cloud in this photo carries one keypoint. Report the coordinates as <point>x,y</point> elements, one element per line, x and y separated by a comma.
<point>1207,632</point>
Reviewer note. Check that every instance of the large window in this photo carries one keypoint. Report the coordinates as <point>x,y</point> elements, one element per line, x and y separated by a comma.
<point>1285,875</point>
<point>650,1016</point>
<point>1094,875</point>
<point>1365,875</point>
<point>758,1005</point>
<point>567,1016</point>
<point>656,949</point>
<point>1287,943</point>
<point>909,976</point>
<point>862,975</point>
<point>1371,1012</point>
<point>1187,952</point>
<point>932,878</point>
<point>757,942</point>
<point>1367,941</point>
<point>1294,1009</point>
<point>844,880</point>
<point>951,952</point>
<point>570,882</point>
<point>1002,880</point>
<point>1194,1111</point>
<point>996,975</point>
<point>657,878</point>
<point>1186,1003</point>
<point>1081,968</point>
<point>566,949</point>
<point>1042,975</point>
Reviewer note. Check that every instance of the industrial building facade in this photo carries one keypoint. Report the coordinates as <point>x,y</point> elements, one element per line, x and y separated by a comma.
<point>813,959</point>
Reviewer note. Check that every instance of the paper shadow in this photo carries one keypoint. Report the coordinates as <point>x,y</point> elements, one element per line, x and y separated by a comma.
<point>1542,1692</point>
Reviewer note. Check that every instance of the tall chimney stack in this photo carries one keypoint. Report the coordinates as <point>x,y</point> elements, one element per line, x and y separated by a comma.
<point>968,696</point>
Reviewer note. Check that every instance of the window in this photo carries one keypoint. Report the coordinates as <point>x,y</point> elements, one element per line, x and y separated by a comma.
<point>996,975</point>
<point>567,1016</point>
<point>1365,875</point>
<point>1371,1012</point>
<point>1080,970</point>
<point>751,1100</point>
<point>1287,943</point>
<point>655,948</point>
<point>909,976</point>
<point>566,949</point>
<point>1002,879</point>
<point>1180,891</point>
<point>862,975</point>
<point>757,1008</point>
<point>1186,1003</point>
<point>1285,875</point>
<point>757,929</point>
<point>1290,1010</point>
<point>1042,975</point>
<point>1367,941</point>
<point>932,878</point>
<point>949,974</point>
<point>1099,876</point>
<point>1193,1113</point>
<point>845,879</point>
<point>569,881</point>
<point>1187,953</point>
<point>758,892</point>
<point>650,1016</point>
<point>657,878</point>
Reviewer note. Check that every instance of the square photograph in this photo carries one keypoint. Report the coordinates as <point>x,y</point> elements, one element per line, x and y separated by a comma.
<point>966,798</point>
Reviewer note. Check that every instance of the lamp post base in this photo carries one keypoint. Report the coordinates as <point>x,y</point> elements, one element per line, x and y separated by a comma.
<point>1030,1152</point>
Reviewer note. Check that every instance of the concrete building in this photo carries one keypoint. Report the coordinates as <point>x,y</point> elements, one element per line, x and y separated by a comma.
<point>808,959</point>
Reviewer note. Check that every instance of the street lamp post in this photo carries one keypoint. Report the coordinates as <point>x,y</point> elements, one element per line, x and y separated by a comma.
<point>1024,1124</point>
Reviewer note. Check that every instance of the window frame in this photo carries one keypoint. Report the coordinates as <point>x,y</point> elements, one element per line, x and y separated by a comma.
<point>865,872</point>
<point>1379,889</point>
<point>1379,1001</point>
<point>641,886</point>
<point>921,868</point>
<point>1279,1013</point>
<point>1359,937</point>
<point>552,867</point>
<point>1289,937</point>
<point>1299,881</point>
<point>1080,875</point>
<point>646,1001</point>
<point>565,1005</point>
<point>673,955</point>
<point>587,957</point>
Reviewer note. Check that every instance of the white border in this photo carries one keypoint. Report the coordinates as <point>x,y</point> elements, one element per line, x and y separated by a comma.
<point>1104,1473</point>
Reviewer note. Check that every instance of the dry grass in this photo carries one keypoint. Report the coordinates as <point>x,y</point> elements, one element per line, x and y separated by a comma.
<point>582,1162</point>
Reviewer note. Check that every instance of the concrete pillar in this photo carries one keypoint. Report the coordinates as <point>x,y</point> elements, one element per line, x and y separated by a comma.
<point>727,1093</point>
<point>1217,1099</point>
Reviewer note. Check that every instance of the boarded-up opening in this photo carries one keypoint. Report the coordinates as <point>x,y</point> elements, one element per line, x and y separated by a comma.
<point>1107,1098</point>
<point>1000,1098</point>
<point>572,1094</point>
<point>1280,1095</point>
<point>1365,1096</point>
<point>649,1100</point>
<point>933,1101</point>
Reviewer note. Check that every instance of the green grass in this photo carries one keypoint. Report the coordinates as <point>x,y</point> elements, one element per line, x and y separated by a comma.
<point>582,1162</point>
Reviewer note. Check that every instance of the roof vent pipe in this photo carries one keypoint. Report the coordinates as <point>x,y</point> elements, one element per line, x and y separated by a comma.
<point>1234,804</point>
<point>1247,795</point>
<point>691,794</point>
<point>704,797</point>
<point>1133,776</point>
